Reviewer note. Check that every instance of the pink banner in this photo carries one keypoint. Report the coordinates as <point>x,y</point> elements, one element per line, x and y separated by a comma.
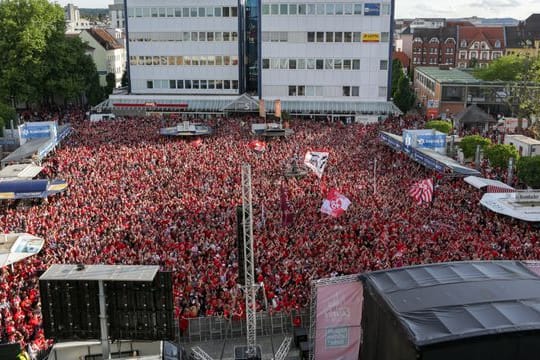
<point>339,317</point>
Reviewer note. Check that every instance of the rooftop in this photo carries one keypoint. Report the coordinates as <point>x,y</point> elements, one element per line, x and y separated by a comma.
<point>451,75</point>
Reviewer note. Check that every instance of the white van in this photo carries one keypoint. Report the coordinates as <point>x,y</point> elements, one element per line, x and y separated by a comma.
<point>101,117</point>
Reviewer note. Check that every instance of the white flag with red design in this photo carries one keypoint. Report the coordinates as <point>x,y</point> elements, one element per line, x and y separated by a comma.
<point>335,203</point>
<point>422,191</point>
<point>316,161</point>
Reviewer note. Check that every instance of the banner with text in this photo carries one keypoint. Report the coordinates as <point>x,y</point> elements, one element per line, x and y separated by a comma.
<point>338,321</point>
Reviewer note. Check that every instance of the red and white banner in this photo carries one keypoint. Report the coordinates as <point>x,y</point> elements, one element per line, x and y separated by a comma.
<point>338,321</point>
<point>422,191</point>
<point>335,203</point>
<point>257,145</point>
<point>316,161</point>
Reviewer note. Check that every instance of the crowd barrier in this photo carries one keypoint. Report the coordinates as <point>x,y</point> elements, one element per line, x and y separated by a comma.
<point>219,328</point>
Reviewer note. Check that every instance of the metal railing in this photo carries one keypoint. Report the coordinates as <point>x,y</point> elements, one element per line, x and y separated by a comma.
<point>219,328</point>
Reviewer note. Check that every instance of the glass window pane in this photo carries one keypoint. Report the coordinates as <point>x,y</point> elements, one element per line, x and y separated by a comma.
<point>195,84</point>
<point>180,84</point>
<point>283,9</point>
<point>170,13</point>
<point>348,9</point>
<point>274,63</point>
<point>219,84</point>
<point>179,60</point>
<point>329,36</point>
<point>301,9</point>
<point>337,64</point>
<point>357,37</point>
<point>301,90</point>
<point>217,11</point>
<point>226,11</point>
<point>347,64</point>
<point>193,12</point>
<point>234,11</point>
<point>284,63</point>
<point>218,36</point>
<point>194,36</point>
<point>209,36</point>
<point>146,12</point>
<point>266,64</point>
<point>329,9</point>
<point>338,37</point>
<point>202,12</point>
<point>203,84</point>
<point>178,12</point>
<point>292,64</point>
<point>211,60</point>
<point>320,64</point>
<point>149,84</point>
<point>172,84</point>
<point>301,64</point>
<point>274,9</point>
<point>195,60</point>
<point>235,84</point>
<point>311,9</point>
<point>347,36</point>
<point>293,9</point>
<point>339,9</point>
<point>226,84</point>
<point>210,12</point>
<point>320,9</point>
<point>292,90</point>
<point>185,12</point>
<point>187,60</point>
<point>329,64</point>
<point>357,9</point>
<point>187,84</point>
<point>356,64</point>
<point>202,60</point>
<point>226,36</point>
<point>355,91</point>
<point>162,12</point>
<point>320,37</point>
<point>310,64</point>
<point>154,12</point>
<point>211,84</point>
<point>266,9</point>
<point>311,36</point>
<point>202,36</point>
<point>226,60</point>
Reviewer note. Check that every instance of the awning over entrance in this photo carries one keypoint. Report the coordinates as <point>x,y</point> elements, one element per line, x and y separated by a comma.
<point>244,103</point>
<point>16,247</point>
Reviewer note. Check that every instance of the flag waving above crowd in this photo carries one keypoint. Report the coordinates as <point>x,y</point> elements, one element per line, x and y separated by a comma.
<point>335,203</point>
<point>257,145</point>
<point>422,191</point>
<point>316,161</point>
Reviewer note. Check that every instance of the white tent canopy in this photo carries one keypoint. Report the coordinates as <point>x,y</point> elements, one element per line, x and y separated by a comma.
<point>507,204</point>
<point>16,247</point>
<point>20,171</point>
<point>479,182</point>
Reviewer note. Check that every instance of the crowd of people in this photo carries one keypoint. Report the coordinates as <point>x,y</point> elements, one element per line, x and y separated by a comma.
<point>138,198</point>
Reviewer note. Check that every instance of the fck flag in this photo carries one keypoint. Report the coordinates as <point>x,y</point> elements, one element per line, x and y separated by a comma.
<point>316,161</point>
<point>335,203</point>
<point>257,145</point>
<point>422,191</point>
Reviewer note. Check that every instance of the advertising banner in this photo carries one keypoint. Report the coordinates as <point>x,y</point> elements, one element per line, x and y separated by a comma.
<point>431,141</point>
<point>372,9</point>
<point>338,321</point>
<point>35,131</point>
<point>371,37</point>
<point>262,111</point>
<point>277,108</point>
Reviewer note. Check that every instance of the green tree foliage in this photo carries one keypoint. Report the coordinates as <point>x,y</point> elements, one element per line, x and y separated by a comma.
<point>505,68</point>
<point>111,83</point>
<point>499,154</point>
<point>39,64</point>
<point>528,171</point>
<point>26,27</point>
<point>439,125</point>
<point>397,74</point>
<point>404,97</point>
<point>7,113</point>
<point>125,79</point>
<point>468,144</point>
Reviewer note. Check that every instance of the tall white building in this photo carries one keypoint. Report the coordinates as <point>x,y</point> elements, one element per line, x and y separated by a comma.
<point>299,52</point>
<point>117,15</point>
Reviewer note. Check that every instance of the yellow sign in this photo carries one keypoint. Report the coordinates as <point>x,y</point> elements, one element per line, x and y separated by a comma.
<point>371,37</point>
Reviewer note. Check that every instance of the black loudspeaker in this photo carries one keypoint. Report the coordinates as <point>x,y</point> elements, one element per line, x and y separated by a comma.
<point>240,245</point>
<point>135,310</point>
<point>9,351</point>
<point>70,309</point>
<point>241,353</point>
<point>300,335</point>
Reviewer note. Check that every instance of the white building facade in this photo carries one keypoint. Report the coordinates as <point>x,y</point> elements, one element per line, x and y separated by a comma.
<point>269,49</point>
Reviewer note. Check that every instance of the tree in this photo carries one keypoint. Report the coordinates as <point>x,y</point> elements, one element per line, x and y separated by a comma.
<point>111,83</point>
<point>528,171</point>
<point>468,144</point>
<point>439,125</point>
<point>125,79</point>
<point>7,113</point>
<point>499,154</point>
<point>397,74</point>
<point>473,63</point>
<point>404,97</point>
<point>505,68</point>
<point>26,27</point>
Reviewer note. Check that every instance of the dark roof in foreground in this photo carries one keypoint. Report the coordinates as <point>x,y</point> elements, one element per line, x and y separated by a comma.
<point>444,302</point>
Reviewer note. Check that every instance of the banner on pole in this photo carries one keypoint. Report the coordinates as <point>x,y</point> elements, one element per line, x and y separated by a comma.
<point>262,110</point>
<point>277,108</point>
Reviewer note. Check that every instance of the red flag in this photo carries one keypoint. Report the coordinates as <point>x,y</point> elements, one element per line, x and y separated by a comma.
<point>196,142</point>
<point>499,189</point>
<point>257,145</point>
<point>286,208</point>
<point>335,203</point>
<point>422,191</point>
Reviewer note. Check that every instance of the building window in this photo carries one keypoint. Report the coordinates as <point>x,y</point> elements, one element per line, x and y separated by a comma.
<point>463,43</point>
<point>149,84</point>
<point>320,37</point>
<point>311,36</point>
<point>266,63</point>
<point>383,65</point>
<point>382,91</point>
<point>385,37</point>
<point>497,44</point>
<point>346,91</point>
<point>292,90</point>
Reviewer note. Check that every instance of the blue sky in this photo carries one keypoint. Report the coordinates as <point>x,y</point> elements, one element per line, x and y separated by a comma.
<point>518,9</point>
